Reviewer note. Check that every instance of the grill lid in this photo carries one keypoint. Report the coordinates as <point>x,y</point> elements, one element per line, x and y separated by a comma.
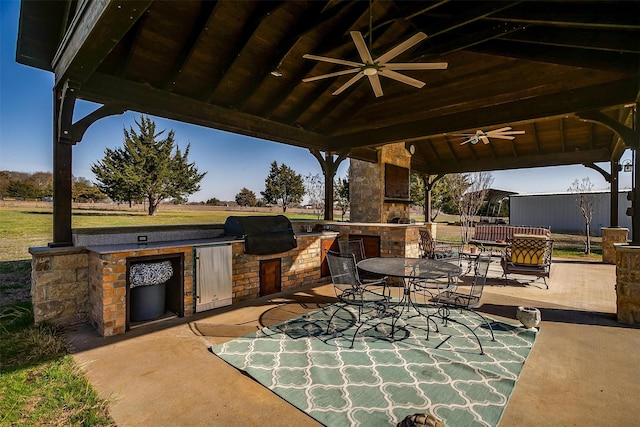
<point>263,235</point>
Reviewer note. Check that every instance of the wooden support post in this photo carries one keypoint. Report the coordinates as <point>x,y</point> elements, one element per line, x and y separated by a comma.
<point>631,138</point>
<point>613,212</point>
<point>329,167</point>
<point>63,104</point>
<point>65,135</point>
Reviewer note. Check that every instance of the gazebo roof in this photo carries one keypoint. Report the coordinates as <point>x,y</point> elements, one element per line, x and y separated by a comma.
<point>535,66</point>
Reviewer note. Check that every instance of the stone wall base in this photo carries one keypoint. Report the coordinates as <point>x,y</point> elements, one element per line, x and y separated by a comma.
<point>611,236</point>
<point>628,283</point>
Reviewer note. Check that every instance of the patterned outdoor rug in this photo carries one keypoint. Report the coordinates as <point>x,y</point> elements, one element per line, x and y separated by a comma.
<point>380,381</point>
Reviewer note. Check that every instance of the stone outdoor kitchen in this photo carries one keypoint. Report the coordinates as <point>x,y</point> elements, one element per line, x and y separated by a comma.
<point>90,282</point>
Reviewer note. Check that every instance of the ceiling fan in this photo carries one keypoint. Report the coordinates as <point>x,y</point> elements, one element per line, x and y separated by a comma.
<point>372,68</point>
<point>480,135</point>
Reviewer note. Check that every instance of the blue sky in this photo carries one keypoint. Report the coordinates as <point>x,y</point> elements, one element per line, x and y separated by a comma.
<point>231,161</point>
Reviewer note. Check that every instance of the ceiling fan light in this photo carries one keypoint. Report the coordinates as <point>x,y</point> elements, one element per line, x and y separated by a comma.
<point>369,71</point>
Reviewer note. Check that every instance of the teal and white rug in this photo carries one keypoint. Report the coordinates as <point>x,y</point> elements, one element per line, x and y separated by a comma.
<point>379,381</point>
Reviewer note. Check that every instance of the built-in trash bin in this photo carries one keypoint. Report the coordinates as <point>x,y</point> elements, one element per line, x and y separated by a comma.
<point>147,290</point>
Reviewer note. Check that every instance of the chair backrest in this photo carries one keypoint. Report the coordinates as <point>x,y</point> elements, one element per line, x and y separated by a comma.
<point>426,243</point>
<point>480,278</point>
<point>530,250</point>
<point>355,247</point>
<point>344,273</point>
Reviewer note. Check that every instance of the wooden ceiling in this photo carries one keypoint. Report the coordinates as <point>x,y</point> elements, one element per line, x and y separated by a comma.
<point>529,65</point>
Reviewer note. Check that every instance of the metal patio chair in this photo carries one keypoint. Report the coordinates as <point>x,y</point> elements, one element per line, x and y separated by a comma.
<point>370,300</point>
<point>463,300</point>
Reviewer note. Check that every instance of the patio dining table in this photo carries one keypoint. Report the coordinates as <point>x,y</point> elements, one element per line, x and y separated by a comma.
<point>412,271</point>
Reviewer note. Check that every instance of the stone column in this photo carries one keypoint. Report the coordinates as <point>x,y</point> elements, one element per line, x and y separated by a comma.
<point>628,283</point>
<point>610,236</point>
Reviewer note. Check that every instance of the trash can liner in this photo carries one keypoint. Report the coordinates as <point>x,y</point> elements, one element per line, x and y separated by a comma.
<point>149,274</point>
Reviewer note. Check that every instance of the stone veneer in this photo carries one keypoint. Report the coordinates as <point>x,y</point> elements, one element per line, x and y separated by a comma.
<point>366,187</point>
<point>108,286</point>
<point>74,285</point>
<point>300,267</point>
<point>611,236</point>
<point>59,290</point>
<point>395,240</point>
<point>628,283</point>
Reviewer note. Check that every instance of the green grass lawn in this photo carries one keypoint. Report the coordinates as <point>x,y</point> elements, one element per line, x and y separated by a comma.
<point>24,227</point>
<point>40,385</point>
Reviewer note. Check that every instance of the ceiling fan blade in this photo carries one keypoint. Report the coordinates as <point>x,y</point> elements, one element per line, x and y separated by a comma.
<point>337,73</point>
<point>401,78</point>
<point>504,129</point>
<point>375,85</point>
<point>512,132</point>
<point>358,40</point>
<point>502,137</point>
<point>347,84</point>
<point>405,45</point>
<point>417,66</point>
<point>332,60</point>
<point>484,139</point>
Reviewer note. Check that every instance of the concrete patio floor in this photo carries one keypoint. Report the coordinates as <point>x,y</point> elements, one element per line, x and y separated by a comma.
<point>584,368</point>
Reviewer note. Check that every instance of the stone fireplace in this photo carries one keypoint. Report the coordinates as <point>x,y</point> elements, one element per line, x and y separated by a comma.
<point>379,192</point>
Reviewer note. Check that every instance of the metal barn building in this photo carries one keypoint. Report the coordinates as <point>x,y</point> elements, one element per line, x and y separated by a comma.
<point>560,211</point>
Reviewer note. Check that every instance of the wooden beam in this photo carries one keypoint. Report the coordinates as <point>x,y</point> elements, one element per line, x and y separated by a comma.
<point>607,40</point>
<point>80,127</point>
<point>93,33</point>
<point>628,135</point>
<point>585,58</point>
<point>105,89</point>
<point>550,105</point>
<point>590,15</point>
<point>551,159</point>
<point>197,32</point>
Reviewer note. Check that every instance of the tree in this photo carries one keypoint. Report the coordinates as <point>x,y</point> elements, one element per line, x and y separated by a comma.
<point>417,189</point>
<point>83,190</point>
<point>282,186</point>
<point>246,197</point>
<point>44,182</point>
<point>585,202</point>
<point>314,188</point>
<point>467,193</point>
<point>22,189</point>
<point>212,202</point>
<point>341,189</point>
<point>146,169</point>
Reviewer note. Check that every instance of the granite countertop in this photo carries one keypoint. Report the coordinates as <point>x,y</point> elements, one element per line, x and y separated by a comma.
<point>125,247</point>
<point>101,249</point>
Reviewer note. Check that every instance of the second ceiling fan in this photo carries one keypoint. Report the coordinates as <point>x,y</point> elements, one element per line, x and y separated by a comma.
<point>480,135</point>
<point>380,66</point>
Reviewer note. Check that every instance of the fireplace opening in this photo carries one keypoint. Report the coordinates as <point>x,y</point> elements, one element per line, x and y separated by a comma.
<point>155,289</point>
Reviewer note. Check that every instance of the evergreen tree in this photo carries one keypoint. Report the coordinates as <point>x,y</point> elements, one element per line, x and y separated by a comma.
<point>83,190</point>
<point>146,169</point>
<point>246,197</point>
<point>282,186</point>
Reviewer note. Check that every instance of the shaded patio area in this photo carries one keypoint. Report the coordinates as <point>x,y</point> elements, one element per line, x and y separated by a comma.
<point>581,368</point>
